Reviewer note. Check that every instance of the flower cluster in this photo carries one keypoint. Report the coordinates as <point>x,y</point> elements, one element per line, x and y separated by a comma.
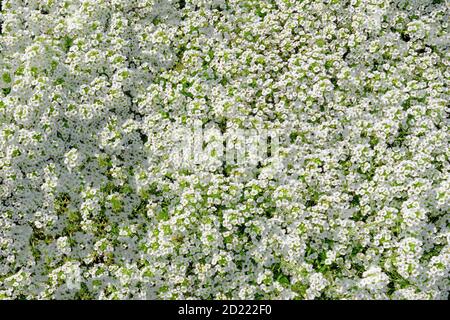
<point>95,94</point>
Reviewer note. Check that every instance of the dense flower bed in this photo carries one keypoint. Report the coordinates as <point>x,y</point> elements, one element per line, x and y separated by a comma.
<point>354,203</point>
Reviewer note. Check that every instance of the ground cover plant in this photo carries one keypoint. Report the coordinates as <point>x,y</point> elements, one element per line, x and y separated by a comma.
<point>118,118</point>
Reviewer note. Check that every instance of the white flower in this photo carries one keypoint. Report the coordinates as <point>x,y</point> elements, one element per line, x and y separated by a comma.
<point>246,149</point>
